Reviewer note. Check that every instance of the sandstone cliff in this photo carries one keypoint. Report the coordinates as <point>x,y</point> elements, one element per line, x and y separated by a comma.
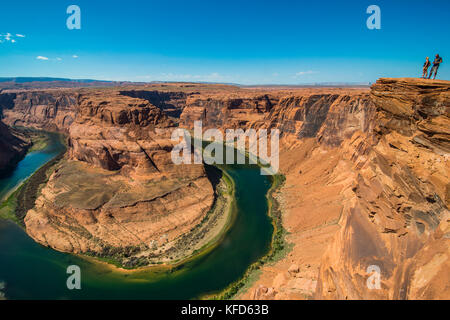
<point>118,190</point>
<point>398,217</point>
<point>51,109</point>
<point>369,187</point>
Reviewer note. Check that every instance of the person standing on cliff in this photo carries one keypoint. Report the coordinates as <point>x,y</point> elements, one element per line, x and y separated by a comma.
<point>426,65</point>
<point>435,67</point>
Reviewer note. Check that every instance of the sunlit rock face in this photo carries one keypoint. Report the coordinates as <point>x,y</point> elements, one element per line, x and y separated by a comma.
<point>118,187</point>
<point>367,188</point>
<point>396,216</point>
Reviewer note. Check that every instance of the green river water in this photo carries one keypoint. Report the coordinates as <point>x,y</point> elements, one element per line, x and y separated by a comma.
<point>31,271</point>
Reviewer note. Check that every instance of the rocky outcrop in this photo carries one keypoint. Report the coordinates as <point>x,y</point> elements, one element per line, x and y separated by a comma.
<point>397,218</point>
<point>115,131</point>
<point>417,109</point>
<point>118,188</point>
<point>368,190</point>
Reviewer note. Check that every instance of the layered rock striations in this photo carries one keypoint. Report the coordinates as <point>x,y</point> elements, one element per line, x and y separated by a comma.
<point>298,114</point>
<point>171,103</point>
<point>51,109</point>
<point>225,110</point>
<point>398,218</point>
<point>318,181</point>
<point>118,188</point>
<point>368,192</point>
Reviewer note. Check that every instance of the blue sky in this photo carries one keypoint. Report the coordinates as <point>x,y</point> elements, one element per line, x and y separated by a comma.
<point>245,41</point>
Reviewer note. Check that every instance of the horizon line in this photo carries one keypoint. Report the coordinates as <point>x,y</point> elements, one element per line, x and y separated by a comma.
<point>79,80</point>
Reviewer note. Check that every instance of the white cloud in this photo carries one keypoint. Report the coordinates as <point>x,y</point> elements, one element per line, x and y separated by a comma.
<point>74,56</point>
<point>8,37</point>
<point>302,73</point>
<point>41,58</point>
<point>59,59</point>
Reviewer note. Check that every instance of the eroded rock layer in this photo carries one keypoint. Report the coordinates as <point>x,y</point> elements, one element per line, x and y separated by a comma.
<point>47,109</point>
<point>118,187</point>
<point>397,218</point>
<point>368,192</point>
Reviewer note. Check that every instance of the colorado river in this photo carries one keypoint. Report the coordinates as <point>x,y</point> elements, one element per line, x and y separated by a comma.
<point>31,271</point>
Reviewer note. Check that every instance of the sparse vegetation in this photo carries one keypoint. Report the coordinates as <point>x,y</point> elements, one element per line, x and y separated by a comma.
<point>39,139</point>
<point>27,194</point>
<point>23,199</point>
<point>8,208</point>
<point>123,257</point>
<point>279,247</point>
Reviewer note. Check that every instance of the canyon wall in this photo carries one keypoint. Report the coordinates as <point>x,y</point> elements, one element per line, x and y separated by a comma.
<point>48,110</point>
<point>117,192</point>
<point>397,219</point>
<point>366,179</point>
<point>331,115</point>
<point>118,187</point>
<point>51,109</point>
<point>367,189</point>
<point>13,147</point>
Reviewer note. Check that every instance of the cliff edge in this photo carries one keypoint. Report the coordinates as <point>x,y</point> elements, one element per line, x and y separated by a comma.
<point>368,191</point>
<point>397,218</point>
